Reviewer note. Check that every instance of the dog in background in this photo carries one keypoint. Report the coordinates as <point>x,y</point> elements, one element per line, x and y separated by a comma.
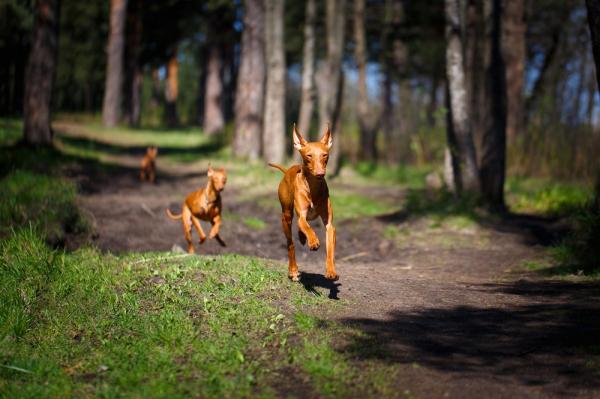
<point>148,169</point>
<point>303,189</point>
<point>203,204</point>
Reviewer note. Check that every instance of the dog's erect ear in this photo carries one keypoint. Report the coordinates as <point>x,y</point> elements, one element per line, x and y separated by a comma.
<point>327,139</point>
<point>299,141</point>
<point>210,170</point>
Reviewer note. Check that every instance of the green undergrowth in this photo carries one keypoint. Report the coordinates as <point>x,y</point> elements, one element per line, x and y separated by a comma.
<point>42,201</point>
<point>86,324</point>
<point>545,197</point>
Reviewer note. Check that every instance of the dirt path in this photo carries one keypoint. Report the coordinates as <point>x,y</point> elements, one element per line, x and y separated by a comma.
<point>445,304</point>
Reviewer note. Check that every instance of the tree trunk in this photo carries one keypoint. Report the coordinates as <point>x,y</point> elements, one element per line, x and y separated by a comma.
<point>213,121</point>
<point>111,108</point>
<point>460,140</point>
<point>274,137</point>
<point>540,83</point>
<point>475,78</point>
<point>493,159</point>
<point>172,91</point>
<point>249,101</point>
<point>134,73</point>
<point>387,118</point>
<point>40,74</point>
<point>307,97</point>
<point>593,14</point>
<point>366,123</point>
<point>156,98</point>
<point>515,55</point>
<point>331,85</point>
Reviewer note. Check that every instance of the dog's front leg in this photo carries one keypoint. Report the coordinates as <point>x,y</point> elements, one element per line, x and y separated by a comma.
<point>331,237</point>
<point>313,240</point>
<point>216,224</point>
<point>198,227</point>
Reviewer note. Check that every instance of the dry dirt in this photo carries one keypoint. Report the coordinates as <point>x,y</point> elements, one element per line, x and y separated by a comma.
<point>451,307</point>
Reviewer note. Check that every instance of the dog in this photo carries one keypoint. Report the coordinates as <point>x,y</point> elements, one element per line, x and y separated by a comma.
<point>303,189</point>
<point>203,204</point>
<point>148,170</point>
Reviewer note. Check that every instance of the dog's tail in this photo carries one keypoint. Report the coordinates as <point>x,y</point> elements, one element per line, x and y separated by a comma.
<point>174,217</point>
<point>274,165</point>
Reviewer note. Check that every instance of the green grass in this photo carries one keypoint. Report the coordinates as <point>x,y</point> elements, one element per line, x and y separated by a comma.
<point>545,197</point>
<point>11,130</point>
<point>163,325</point>
<point>408,175</point>
<point>255,223</point>
<point>45,202</point>
<point>349,205</point>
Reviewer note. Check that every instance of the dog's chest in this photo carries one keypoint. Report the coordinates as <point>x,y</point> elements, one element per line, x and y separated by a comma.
<point>311,213</point>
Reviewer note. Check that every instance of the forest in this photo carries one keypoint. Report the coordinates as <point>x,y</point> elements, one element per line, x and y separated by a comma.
<point>445,210</point>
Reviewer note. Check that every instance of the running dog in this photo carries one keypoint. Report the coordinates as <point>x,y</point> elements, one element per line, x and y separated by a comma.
<point>203,204</point>
<point>303,189</point>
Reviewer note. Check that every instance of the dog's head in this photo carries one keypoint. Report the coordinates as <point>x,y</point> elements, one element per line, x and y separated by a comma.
<point>314,154</point>
<point>152,152</point>
<point>218,177</point>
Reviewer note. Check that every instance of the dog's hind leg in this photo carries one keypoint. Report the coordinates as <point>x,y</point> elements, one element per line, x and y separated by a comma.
<point>286,223</point>
<point>186,218</point>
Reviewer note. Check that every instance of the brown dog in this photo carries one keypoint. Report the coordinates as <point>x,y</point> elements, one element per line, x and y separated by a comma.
<point>148,171</point>
<point>204,204</point>
<point>304,189</point>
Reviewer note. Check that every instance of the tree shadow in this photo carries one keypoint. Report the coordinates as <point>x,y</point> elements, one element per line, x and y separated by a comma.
<point>312,280</point>
<point>88,144</point>
<point>549,339</point>
<point>533,229</point>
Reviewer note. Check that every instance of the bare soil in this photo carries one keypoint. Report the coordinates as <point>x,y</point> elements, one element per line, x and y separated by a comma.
<point>452,308</point>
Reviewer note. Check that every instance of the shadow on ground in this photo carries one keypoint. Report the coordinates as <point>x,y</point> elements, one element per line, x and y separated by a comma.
<point>310,281</point>
<point>194,152</point>
<point>550,334</point>
<point>533,229</point>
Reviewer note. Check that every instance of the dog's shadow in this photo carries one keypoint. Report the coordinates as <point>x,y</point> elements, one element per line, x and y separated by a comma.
<point>312,280</point>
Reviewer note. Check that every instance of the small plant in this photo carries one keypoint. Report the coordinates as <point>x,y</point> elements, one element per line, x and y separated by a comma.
<point>580,251</point>
<point>255,223</point>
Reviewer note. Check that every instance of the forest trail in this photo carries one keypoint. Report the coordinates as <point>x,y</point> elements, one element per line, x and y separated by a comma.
<point>450,304</point>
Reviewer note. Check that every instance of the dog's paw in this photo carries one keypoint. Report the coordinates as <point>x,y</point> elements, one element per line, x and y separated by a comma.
<point>331,276</point>
<point>313,244</point>
<point>302,237</point>
<point>294,277</point>
<point>202,239</point>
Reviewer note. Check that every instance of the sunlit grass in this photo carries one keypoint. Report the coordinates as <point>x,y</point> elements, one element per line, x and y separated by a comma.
<point>545,197</point>
<point>86,324</point>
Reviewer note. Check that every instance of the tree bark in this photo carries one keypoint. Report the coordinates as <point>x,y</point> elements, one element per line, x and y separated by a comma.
<point>172,91</point>
<point>307,97</point>
<point>493,159</point>
<point>540,82</point>
<point>214,121</point>
<point>593,14</point>
<point>460,140</point>
<point>111,108</point>
<point>515,55</point>
<point>366,121</point>
<point>274,138</point>
<point>134,73</point>
<point>249,101</point>
<point>40,74</point>
<point>331,84</point>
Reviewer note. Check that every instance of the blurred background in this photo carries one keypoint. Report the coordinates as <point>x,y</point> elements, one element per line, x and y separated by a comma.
<point>523,103</point>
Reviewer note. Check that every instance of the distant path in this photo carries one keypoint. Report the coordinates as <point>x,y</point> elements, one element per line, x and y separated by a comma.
<point>443,303</point>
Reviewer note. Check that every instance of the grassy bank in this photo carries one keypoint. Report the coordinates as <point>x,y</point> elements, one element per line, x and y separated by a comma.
<point>165,325</point>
